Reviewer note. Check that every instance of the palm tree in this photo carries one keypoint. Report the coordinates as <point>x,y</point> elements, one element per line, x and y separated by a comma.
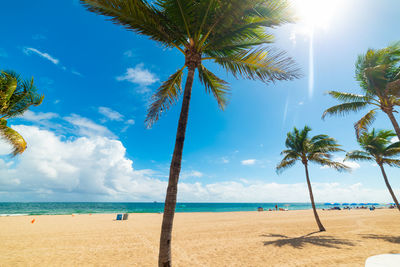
<point>378,73</point>
<point>317,149</point>
<point>377,147</point>
<point>232,34</point>
<point>16,96</point>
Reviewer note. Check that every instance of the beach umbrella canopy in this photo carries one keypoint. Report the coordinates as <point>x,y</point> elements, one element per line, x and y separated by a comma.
<point>328,204</point>
<point>353,204</point>
<point>336,203</point>
<point>345,204</point>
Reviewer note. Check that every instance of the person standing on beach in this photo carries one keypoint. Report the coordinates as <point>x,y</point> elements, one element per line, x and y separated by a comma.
<point>276,206</point>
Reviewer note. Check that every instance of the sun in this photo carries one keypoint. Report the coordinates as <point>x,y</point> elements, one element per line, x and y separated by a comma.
<point>316,13</point>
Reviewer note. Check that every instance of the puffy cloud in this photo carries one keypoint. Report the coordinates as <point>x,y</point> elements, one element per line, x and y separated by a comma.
<point>248,162</point>
<point>85,167</point>
<point>138,75</point>
<point>95,167</point>
<point>30,50</point>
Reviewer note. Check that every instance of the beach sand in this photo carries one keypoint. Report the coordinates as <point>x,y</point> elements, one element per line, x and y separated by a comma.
<point>201,239</point>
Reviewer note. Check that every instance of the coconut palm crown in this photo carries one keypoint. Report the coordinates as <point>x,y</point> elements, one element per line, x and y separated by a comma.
<point>377,147</point>
<point>16,97</point>
<point>317,149</point>
<point>378,74</point>
<point>232,34</point>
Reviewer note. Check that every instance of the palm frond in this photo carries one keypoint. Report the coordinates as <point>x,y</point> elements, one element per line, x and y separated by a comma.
<point>366,121</point>
<point>331,164</point>
<point>12,137</point>
<point>261,64</point>
<point>391,162</point>
<point>165,97</point>
<point>285,164</point>
<point>345,108</point>
<point>348,97</point>
<point>215,85</point>
<point>140,17</point>
<point>357,155</point>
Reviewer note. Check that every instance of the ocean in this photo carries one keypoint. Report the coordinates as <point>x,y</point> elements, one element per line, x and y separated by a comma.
<point>53,208</point>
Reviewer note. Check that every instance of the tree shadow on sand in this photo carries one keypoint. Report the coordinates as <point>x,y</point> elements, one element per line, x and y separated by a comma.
<point>387,238</point>
<point>301,241</point>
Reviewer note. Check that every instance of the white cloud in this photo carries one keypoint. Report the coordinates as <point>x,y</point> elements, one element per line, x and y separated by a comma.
<point>138,75</point>
<point>95,168</point>
<point>76,73</point>
<point>248,162</point>
<point>394,139</point>
<point>30,50</point>
<point>191,174</point>
<point>130,122</point>
<point>87,127</point>
<point>111,114</point>
<point>86,168</point>
<point>32,116</point>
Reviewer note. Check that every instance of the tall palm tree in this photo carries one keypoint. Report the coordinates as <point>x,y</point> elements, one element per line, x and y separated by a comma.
<point>377,147</point>
<point>234,34</point>
<point>317,149</point>
<point>16,97</point>
<point>378,73</point>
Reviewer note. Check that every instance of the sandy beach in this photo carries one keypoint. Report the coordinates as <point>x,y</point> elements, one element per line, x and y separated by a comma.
<point>201,239</point>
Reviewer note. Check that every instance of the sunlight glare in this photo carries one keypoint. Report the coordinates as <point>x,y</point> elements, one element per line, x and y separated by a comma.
<point>316,13</point>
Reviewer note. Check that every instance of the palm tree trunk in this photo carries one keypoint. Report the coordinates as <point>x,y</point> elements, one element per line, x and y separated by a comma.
<point>164,257</point>
<point>388,186</point>
<point>394,122</point>
<point>320,226</point>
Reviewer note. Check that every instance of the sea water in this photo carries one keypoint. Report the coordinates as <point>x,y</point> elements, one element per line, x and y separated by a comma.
<point>52,208</point>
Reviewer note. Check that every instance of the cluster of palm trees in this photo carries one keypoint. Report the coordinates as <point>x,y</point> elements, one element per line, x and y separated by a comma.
<point>378,73</point>
<point>237,36</point>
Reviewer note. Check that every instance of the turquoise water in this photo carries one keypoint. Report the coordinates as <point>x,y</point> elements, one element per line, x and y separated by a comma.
<point>42,208</point>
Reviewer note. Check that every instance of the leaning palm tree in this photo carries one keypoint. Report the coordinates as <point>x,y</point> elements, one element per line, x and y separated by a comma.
<point>377,147</point>
<point>317,149</point>
<point>234,34</point>
<point>16,96</point>
<point>378,73</point>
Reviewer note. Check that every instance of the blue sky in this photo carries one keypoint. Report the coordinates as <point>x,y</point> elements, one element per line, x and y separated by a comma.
<point>88,142</point>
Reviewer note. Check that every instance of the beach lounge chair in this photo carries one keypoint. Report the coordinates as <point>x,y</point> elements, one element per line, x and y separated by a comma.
<point>119,217</point>
<point>383,260</point>
<point>125,216</point>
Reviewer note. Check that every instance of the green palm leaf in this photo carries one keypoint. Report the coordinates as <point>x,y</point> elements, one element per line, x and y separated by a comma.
<point>217,86</point>
<point>12,137</point>
<point>344,109</point>
<point>363,124</point>
<point>165,97</point>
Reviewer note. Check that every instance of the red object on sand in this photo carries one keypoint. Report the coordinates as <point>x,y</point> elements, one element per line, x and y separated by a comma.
<point>33,221</point>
